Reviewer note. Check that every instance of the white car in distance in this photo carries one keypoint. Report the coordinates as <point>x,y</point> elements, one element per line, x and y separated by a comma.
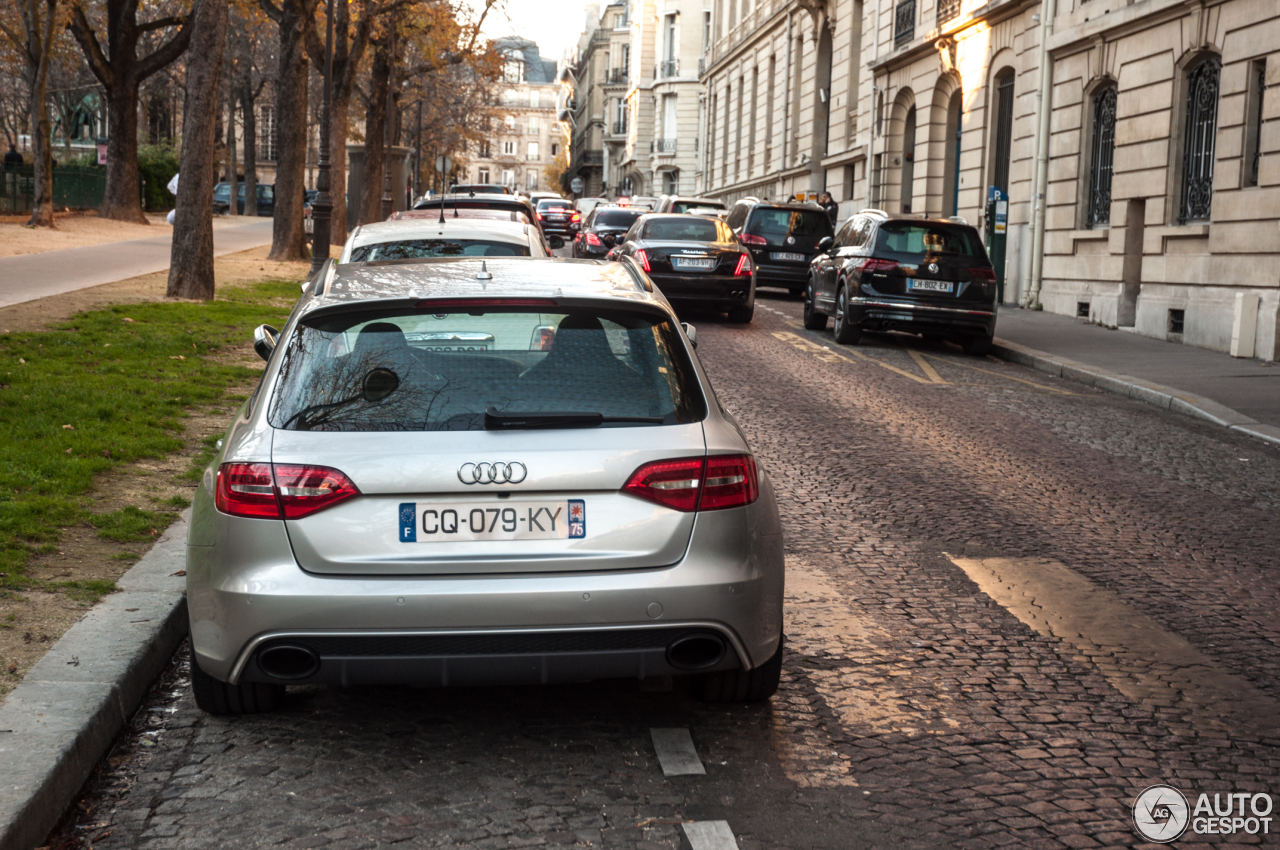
<point>424,239</point>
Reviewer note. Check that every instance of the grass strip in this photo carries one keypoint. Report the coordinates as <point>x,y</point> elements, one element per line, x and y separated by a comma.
<point>106,388</point>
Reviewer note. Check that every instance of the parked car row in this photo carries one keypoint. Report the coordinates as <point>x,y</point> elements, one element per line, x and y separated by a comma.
<point>471,463</point>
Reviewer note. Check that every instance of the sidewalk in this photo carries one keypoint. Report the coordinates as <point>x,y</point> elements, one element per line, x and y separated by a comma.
<point>27,277</point>
<point>1246,386</point>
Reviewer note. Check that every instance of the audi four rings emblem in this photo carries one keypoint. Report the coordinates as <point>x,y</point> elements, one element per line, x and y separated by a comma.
<point>492,473</point>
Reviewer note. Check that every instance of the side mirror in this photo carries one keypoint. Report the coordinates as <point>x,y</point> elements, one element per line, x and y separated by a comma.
<point>555,242</point>
<point>825,243</point>
<point>691,332</point>
<point>612,255</point>
<point>264,340</point>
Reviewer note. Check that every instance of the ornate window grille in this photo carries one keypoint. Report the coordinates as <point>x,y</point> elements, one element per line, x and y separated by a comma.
<point>1104,147</point>
<point>948,10</point>
<point>1198,141</point>
<point>904,22</point>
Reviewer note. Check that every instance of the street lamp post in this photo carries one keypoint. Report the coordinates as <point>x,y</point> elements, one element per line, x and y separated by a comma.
<point>322,209</point>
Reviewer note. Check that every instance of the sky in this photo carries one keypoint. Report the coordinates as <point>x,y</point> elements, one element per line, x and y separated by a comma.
<point>554,24</point>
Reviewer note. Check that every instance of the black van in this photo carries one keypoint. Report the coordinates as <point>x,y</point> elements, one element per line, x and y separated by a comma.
<point>782,237</point>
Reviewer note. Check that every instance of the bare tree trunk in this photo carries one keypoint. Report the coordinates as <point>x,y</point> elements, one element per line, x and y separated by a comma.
<point>35,45</point>
<point>288,239</point>
<point>191,262</point>
<point>249,108</point>
<point>375,131</point>
<point>338,121</point>
<point>233,207</point>
<point>122,71</point>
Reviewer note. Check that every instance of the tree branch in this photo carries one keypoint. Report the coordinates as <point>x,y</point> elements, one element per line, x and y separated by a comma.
<point>171,50</point>
<point>271,10</point>
<point>96,59</point>
<point>161,23</point>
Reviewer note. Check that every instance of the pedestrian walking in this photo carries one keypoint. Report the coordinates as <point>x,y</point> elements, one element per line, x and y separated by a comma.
<point>828,203</point>
<point>13,157</point>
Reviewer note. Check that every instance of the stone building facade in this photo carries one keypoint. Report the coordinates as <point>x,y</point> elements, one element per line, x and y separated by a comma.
<point>526,134</point>
<point>1162,207</point>
<point>598,80</point>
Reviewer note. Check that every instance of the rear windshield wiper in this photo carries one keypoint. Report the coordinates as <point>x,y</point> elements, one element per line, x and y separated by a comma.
<point>494,420</point>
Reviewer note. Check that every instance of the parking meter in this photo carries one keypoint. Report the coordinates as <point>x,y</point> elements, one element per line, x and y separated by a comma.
<point>997,219</point>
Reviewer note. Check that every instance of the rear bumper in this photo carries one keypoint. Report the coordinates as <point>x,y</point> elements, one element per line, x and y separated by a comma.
<point>247,593</point>
<point>559,228</point>
<point>789,276</point>
<point>722,290</point>
<point>882,313</point>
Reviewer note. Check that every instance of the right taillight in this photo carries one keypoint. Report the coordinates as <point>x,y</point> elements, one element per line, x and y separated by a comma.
<point>697,484</point>
<point>744,266</point>
<point>751,239</point>
<point>279,491</point>
<point>988,275</point>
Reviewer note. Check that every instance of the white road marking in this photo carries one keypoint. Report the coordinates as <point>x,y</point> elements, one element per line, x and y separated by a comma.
<point>676,752</point>
<point>710,835</point>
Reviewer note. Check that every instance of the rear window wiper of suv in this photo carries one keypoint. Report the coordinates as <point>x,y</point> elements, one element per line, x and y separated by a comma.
<point>494,420</point>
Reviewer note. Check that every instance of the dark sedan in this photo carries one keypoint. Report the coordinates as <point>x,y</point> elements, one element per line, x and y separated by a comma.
<point>557,217</point>
<point>604,227</point>
<point>925,276</point>
<point>694,260</point>
<point>222,198</point>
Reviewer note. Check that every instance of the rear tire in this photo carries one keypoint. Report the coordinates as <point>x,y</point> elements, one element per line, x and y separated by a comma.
<point>742,685</point>
<point>977,345</point>
<point>845,332</point>
<point>214,696</point>
<point>813,320</point>
<point>742,315</point>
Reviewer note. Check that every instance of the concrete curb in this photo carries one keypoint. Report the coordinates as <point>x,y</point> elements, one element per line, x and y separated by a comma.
<point>1165,398</point>
<point>57,724</point>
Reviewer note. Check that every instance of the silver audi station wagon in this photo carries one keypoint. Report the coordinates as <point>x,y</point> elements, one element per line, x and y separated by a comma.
<point>462,472</point>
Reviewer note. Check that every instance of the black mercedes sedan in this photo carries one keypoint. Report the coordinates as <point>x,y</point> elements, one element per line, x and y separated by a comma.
<point>926,276</point>
<point>694,260</point>
<point>604,227</point>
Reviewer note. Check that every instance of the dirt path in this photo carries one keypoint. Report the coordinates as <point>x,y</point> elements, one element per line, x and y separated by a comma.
<point>77,230</point>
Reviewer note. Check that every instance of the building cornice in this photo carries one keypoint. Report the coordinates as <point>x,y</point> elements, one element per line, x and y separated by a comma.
<point>1072,37</point>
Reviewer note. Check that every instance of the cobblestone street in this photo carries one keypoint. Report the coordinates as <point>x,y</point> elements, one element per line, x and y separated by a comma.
<point>1013,603</point>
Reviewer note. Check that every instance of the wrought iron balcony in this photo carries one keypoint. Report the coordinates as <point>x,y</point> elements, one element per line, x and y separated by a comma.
<point>615,76</point>
<point>669,68</point>
<point>948,10</point>
<point>664,146</point>
<point>619,128</point>
<point>904,22</point>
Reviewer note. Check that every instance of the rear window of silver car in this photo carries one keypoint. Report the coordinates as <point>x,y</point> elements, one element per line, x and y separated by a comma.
<point>449,368</point>
<point>421,249</point>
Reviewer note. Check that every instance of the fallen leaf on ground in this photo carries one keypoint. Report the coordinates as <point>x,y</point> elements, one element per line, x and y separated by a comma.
<point>68,427</point>
<point>179,573</point>
<point>13,668</point>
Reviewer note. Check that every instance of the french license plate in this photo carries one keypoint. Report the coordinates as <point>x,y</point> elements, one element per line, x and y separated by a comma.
<point>450,522</point>
<point>787,255</point>
<point>917,285</point>
<point>693,262</point>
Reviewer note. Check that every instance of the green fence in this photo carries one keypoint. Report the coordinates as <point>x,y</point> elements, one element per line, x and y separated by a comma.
<point>73,187</point>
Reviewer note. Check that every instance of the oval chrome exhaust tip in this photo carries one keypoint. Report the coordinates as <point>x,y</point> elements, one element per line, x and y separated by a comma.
<point>695,652</point>
<point>288,662</point>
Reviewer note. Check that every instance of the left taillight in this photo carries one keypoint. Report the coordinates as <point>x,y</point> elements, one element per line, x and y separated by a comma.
<point>643,257</point>
<point>280,491</point>
<point>697,484</point>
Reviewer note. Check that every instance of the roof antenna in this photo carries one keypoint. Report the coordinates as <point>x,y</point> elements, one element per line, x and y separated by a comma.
<point>484,272</point>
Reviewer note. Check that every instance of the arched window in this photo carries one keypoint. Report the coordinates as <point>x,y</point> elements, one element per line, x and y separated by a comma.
<point>1198,140</point>
<point>1004,130</point>
<point>1101,156</point>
